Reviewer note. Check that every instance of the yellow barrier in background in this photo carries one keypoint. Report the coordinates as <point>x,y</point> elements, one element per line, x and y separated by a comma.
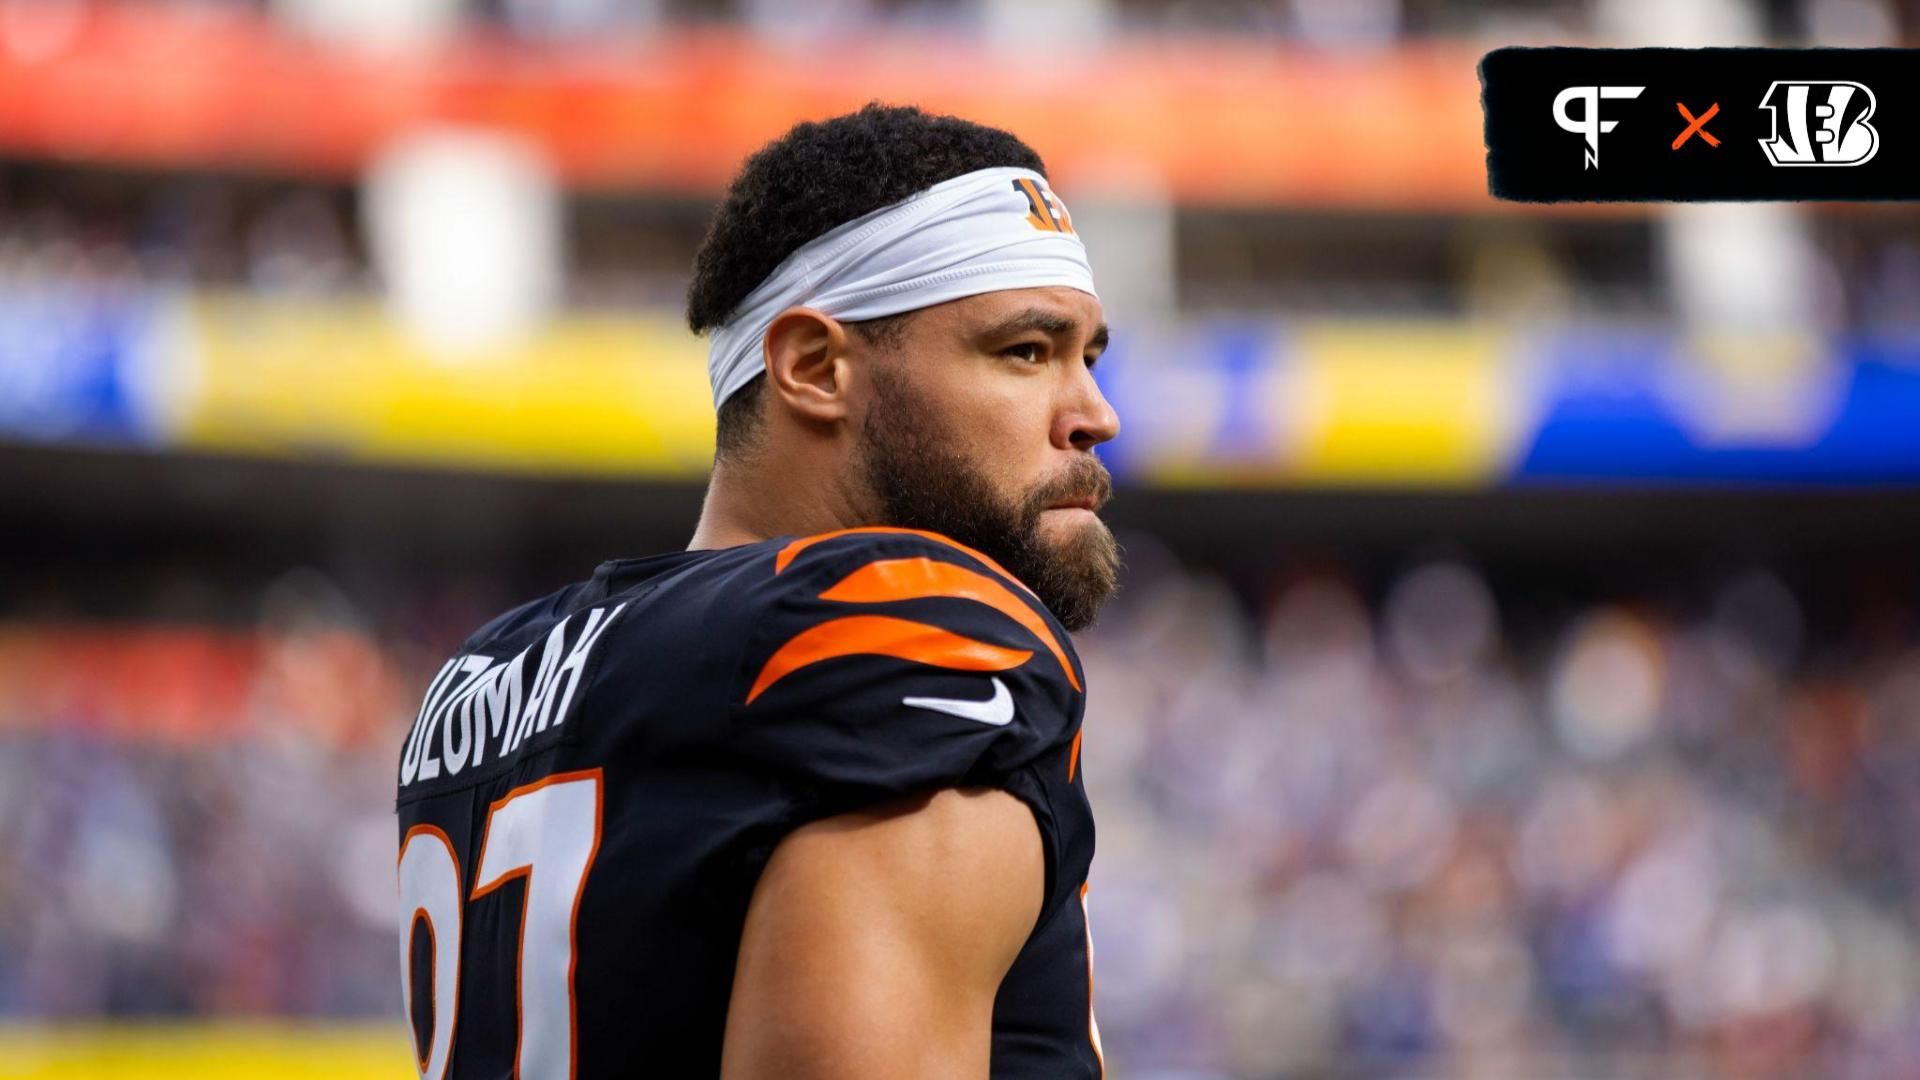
<point>1425,404</point>
<point>612,395</point>
<point>1339,404</point>
<point>187,1051</point>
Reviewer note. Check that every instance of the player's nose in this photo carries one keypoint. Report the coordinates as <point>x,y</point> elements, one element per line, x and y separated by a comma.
<point>1086,419</point>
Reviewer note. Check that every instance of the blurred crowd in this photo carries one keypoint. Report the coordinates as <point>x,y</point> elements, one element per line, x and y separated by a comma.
<point>107,229</point>
<point>294,239</point>
<point>1422,823</point>
<point>1449,829</point>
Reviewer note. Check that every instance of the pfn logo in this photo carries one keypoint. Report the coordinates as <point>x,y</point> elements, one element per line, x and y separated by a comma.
<point>1590,124</point>
<point>1826,124</point>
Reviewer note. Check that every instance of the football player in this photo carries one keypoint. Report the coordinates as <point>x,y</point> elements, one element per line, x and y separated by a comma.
<point>804,800</point>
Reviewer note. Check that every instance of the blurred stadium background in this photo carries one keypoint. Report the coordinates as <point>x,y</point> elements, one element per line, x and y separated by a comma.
<point>1517,672</point>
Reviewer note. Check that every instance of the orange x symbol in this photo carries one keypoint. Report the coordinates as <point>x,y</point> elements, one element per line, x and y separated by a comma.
<point>1697,125</point>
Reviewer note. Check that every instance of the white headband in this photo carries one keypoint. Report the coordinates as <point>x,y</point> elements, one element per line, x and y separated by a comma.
<point>993,229</point>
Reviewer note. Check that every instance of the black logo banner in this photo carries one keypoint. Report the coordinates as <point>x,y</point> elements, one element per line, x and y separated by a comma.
<point>1603,125</point>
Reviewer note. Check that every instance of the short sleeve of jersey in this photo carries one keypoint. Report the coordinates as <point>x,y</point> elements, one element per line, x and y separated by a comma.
<point>884,662</point>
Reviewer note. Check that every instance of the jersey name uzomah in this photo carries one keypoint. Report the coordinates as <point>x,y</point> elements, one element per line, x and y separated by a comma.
<point>476,700</point>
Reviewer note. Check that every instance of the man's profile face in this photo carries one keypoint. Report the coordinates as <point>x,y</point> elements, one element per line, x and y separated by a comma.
<point>980,424</point>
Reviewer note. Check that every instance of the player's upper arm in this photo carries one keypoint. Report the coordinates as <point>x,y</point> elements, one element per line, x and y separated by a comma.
<point>876,941</point>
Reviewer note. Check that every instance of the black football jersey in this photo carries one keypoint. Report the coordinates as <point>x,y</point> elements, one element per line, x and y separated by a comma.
<point>596,780</point>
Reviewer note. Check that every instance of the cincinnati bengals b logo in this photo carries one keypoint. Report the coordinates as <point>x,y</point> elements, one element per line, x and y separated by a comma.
<point>1045,211</point>
<point>1826,123</point>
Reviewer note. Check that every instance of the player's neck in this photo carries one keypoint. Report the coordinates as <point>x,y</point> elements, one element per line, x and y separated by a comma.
<point>745,505</point>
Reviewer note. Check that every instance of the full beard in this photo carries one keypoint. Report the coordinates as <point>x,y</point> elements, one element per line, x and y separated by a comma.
<point>920,482</point>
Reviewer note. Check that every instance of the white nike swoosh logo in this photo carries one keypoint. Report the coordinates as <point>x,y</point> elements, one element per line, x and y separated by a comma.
<point>996,710</point>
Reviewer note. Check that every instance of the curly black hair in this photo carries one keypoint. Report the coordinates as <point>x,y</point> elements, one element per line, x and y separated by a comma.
<point>819,175</point>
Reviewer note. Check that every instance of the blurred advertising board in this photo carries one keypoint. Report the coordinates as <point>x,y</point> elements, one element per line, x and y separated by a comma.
<point>588,395</point>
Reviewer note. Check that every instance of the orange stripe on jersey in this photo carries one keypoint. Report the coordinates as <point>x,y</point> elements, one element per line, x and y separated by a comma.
<point>916,578</point>
<point>882,635</point>
<point>1073,755</point>
<point>792,550</point>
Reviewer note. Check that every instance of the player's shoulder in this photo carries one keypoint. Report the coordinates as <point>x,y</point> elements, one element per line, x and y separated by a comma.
<point>879,661</point>
<point>907,602</point>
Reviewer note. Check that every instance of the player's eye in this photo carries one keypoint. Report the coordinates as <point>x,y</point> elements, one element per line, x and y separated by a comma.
<point>1032,352</point>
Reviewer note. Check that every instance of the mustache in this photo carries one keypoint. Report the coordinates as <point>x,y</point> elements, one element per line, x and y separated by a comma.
<point>1085,478</point>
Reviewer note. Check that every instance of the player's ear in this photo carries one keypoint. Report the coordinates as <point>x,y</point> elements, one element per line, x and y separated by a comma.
<point>807,367</point>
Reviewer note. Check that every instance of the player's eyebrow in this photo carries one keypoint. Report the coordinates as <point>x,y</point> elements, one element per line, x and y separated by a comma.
<point>1047,322</point>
